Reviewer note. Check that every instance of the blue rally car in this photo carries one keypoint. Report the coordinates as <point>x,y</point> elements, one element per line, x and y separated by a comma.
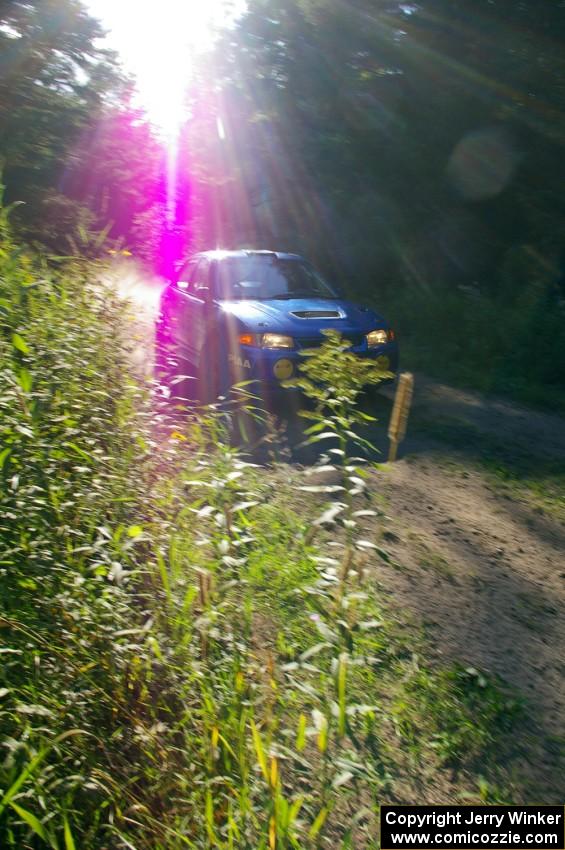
<point>232,316</point>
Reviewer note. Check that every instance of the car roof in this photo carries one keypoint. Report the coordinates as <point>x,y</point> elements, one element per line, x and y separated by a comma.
<point>244,252</point>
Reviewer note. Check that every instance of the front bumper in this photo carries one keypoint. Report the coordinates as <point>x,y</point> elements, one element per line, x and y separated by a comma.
<point>271,367</point>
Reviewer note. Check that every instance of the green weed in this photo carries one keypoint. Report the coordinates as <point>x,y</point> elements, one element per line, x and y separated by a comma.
<point>460,713</point>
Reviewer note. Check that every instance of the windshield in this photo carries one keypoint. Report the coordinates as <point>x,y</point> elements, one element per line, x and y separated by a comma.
<point>265,277</point>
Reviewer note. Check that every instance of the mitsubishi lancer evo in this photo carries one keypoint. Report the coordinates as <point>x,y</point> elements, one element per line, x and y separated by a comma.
<point>233,316</point>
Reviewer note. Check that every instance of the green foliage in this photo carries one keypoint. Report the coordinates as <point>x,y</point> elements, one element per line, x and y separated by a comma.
<point>462,710</point>
<point>54,82</point>
<point>115,174</point>
<point>333,377</point>
<point>187,661</point>
<point>512,344</point>
<point>65,555</point>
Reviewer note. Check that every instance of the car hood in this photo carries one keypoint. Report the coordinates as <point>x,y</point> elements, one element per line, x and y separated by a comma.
<point>302,317</point>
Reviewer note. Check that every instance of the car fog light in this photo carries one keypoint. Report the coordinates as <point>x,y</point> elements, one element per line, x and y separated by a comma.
<point>283,369</point>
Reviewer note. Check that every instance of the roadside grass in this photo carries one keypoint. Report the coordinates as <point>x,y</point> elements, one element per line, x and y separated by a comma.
<point>194,654</point>
<point>469,337</point>
<point>474,371</point>
<point>515,470</point>
<point>448,702</point>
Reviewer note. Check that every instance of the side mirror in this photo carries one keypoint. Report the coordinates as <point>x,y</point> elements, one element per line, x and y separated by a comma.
<point>174,270</point>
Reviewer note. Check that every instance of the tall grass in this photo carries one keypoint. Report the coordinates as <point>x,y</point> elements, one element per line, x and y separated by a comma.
<point>187,660</point>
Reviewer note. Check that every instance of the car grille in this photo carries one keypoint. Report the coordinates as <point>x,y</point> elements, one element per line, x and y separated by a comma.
<point>315,341</point>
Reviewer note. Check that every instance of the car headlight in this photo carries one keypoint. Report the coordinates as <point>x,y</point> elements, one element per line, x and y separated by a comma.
<point>276,341</point>
<point>379,337</point>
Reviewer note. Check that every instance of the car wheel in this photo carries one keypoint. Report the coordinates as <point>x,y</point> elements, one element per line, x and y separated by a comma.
<point>172,370</point>
<point>184,383</point>
<point>212,380</point>
<point>375,400</point>
<point>164,359</point>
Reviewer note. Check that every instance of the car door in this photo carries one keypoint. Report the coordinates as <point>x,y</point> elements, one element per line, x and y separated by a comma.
<point>196,297</point>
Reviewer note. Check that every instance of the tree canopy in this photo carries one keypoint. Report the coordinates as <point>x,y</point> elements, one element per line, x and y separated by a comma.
<point>54,83</point>
<point>421,138</point>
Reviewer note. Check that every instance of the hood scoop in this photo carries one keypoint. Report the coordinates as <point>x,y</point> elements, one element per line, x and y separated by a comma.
<point>318,314</point>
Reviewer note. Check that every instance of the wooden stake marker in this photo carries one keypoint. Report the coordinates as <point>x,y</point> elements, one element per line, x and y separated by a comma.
<point>400,411</point>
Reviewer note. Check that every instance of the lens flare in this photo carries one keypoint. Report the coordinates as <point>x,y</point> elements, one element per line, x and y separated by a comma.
<point>158,43</point>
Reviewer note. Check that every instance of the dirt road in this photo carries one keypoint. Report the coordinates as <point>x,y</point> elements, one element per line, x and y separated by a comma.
<point>476,534</point>
<point>480,532</point>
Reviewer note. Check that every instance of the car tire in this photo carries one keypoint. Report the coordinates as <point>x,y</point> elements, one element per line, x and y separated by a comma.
<point>172,370</point>
<point>212,382</point>
<point>374,401</point>
<point>164,354</point>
